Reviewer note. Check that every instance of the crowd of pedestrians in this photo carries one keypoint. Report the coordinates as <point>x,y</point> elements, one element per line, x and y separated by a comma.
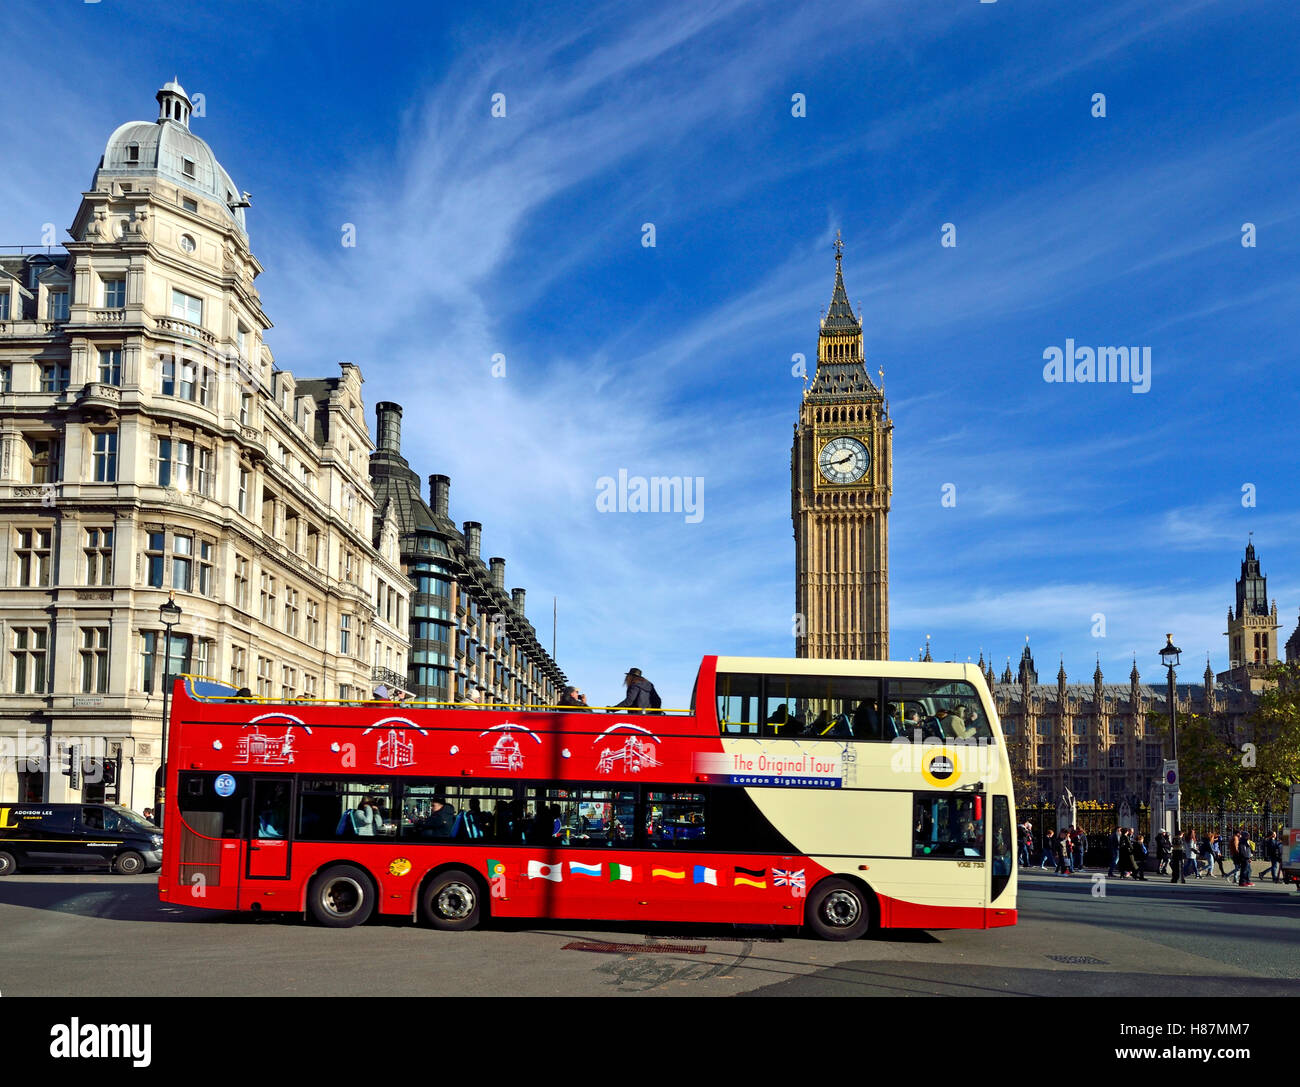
<point>1064,852</point>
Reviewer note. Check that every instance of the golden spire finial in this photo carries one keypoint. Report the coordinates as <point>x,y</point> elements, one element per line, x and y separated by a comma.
<point>839,244</point>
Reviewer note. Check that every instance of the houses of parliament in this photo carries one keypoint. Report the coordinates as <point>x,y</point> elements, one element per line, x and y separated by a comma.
<point>1103,741</point>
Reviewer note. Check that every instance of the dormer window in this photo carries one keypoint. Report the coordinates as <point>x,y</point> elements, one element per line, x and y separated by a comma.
<point>188,168</point>
<point>133,153</point>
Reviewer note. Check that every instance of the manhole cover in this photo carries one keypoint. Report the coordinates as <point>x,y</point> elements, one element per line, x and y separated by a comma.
<point>634,949</point>
<point>1078,960</point>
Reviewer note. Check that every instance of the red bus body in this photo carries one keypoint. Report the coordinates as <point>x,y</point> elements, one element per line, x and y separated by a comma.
<point>262,741</point>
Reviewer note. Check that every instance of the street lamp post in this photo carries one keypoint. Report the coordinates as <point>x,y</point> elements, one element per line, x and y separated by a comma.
<point>170,614</point>
<point>1169,658</point>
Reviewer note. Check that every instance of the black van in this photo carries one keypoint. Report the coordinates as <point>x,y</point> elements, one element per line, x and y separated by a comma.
<point>77,835</point>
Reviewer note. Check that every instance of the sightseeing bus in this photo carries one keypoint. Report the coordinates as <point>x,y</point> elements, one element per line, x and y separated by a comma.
<point>836,795</point>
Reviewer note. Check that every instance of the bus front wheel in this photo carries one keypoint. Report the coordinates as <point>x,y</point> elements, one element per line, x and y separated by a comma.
<point>452,901</point>
<point>838,910</point>
<point>341,897</point>
<point>8,866</point>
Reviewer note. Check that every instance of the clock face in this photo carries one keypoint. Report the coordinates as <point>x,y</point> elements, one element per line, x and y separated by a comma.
<point>844,460</point>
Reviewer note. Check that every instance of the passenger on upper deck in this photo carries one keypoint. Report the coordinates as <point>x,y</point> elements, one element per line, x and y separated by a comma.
<point>641,693</point>
<point>573,699</point>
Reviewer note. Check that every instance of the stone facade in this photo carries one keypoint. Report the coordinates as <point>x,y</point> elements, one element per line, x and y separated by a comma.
<point>150,447</point>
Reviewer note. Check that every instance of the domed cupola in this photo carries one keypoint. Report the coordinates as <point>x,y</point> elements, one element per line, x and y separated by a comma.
<point>167,149</point>
<point>174,104</point>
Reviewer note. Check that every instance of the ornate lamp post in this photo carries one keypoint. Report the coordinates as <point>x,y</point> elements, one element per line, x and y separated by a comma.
<point>1169,656</point>
<point>170,614</point>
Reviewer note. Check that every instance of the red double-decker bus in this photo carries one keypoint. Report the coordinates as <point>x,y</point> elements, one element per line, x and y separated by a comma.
<point>833,794</point>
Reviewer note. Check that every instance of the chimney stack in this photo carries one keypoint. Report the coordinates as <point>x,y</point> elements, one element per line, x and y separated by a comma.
<point>473,538</point>
<point>517,595</point>
<point>439,494</point>
<point>498,572</point>
<point>389,425</point>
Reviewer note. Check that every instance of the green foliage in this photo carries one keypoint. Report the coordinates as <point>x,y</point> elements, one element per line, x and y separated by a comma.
<point>1275,728</point>
<point>1208,760</point>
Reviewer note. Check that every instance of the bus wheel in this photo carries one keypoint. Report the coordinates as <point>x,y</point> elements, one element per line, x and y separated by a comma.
<point>452,901</point>
<point>129,863</point>
<point>8,866</point>
<point>341,897</point>
<point>838,910</point>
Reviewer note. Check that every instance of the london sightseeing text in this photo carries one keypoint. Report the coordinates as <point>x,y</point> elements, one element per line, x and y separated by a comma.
<point>836,795</point>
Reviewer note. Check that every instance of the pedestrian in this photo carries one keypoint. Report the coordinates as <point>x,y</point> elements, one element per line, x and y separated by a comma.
<point>1063,857</point>
<point>1140,855</point>
<point>1022,844</point>
<point>1081,850</point>
<point>1273,854</point>
<point>1234,855</point>
<point>1206,853</point>
<point>1049,849</point>
<point>1246,851</point>
<point>1191,867</point>
<point>1216,849</point>
<point>1162,851</point>
<point>1176,860</point>
<point>641,693</point>
<point>1114,851</point>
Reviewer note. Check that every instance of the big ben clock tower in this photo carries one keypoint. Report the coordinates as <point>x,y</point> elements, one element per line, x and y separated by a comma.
<point>841,479</point>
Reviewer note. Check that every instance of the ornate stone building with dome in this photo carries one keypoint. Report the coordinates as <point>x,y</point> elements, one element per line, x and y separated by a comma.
<point>150,447</point>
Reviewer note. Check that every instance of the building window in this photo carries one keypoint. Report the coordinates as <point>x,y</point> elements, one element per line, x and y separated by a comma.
<point>238,667</point>
<point>57,306</point>
<point>4,305</point>
<point>268,598</point>
<point>345,635</point>
<point>264,672</point>
<point>241,582</point>
<point>175,460</point>
<point>110,366</point>
<point>28,657</point>
<point>291,611</point>
<point>132,156</point>
<point>153,557</point>
<point>94,660</point>
<point>313,623</point>
<point>182,562</point>
<point>33,555</point>
<point>1117,728</point>
<point>188,204</point>
<point>204,585</point>
<point>187,307</point>
<point>1044,755</point>
<point>6,371</point>
<point>105,456</point>
<point>54,378</point>
<point>309,686</point>
<point>203,473</point>
<point>288,682</point>
<point>187,167</point>
<point>44,454</point>
<point>114,293</point>
<point>99,556</point>
<point>1116,758</point>
<point>245,402</point>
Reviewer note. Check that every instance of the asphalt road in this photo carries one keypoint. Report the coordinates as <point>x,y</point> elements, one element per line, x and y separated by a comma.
<point>76,934</point>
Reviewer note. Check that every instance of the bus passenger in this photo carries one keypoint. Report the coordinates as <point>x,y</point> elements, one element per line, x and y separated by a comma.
<point>573,699</point>
<point>641,694</point>
<point>441,819</point>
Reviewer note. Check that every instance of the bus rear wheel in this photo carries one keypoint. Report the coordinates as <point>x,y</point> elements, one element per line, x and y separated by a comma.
<point>341,897</point>
<point>452,901</point>
<point>8,865</point>
<point>838,910</point>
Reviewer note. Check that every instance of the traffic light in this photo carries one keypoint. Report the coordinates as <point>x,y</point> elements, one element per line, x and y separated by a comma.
<point>110,772</point>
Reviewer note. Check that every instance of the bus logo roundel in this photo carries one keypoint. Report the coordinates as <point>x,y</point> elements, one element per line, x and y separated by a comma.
<point>224,785</point>
<point>940,769</point>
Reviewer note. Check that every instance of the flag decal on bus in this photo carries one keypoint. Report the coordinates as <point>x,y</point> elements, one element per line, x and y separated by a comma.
<point>553,872</point>
<point>495,868</point>
<point>624,872</point>
<point>666,873</point>
<point>576,869</point>
<point>706,875</point>
<point>751,877</point>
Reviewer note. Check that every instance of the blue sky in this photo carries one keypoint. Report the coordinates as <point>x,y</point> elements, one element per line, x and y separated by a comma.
<point>522,235</point>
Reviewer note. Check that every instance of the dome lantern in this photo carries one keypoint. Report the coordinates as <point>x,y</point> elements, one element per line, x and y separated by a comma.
<point>174,104</point>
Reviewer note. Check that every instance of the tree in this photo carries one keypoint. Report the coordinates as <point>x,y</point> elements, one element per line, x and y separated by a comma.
<point>1209,763</point>
<point>1274,748</point>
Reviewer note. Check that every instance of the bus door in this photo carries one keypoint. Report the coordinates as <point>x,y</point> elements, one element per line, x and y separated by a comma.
<point>267,828</point>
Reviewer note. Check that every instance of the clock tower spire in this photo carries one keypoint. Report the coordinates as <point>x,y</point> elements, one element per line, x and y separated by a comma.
<point>841,481</point>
